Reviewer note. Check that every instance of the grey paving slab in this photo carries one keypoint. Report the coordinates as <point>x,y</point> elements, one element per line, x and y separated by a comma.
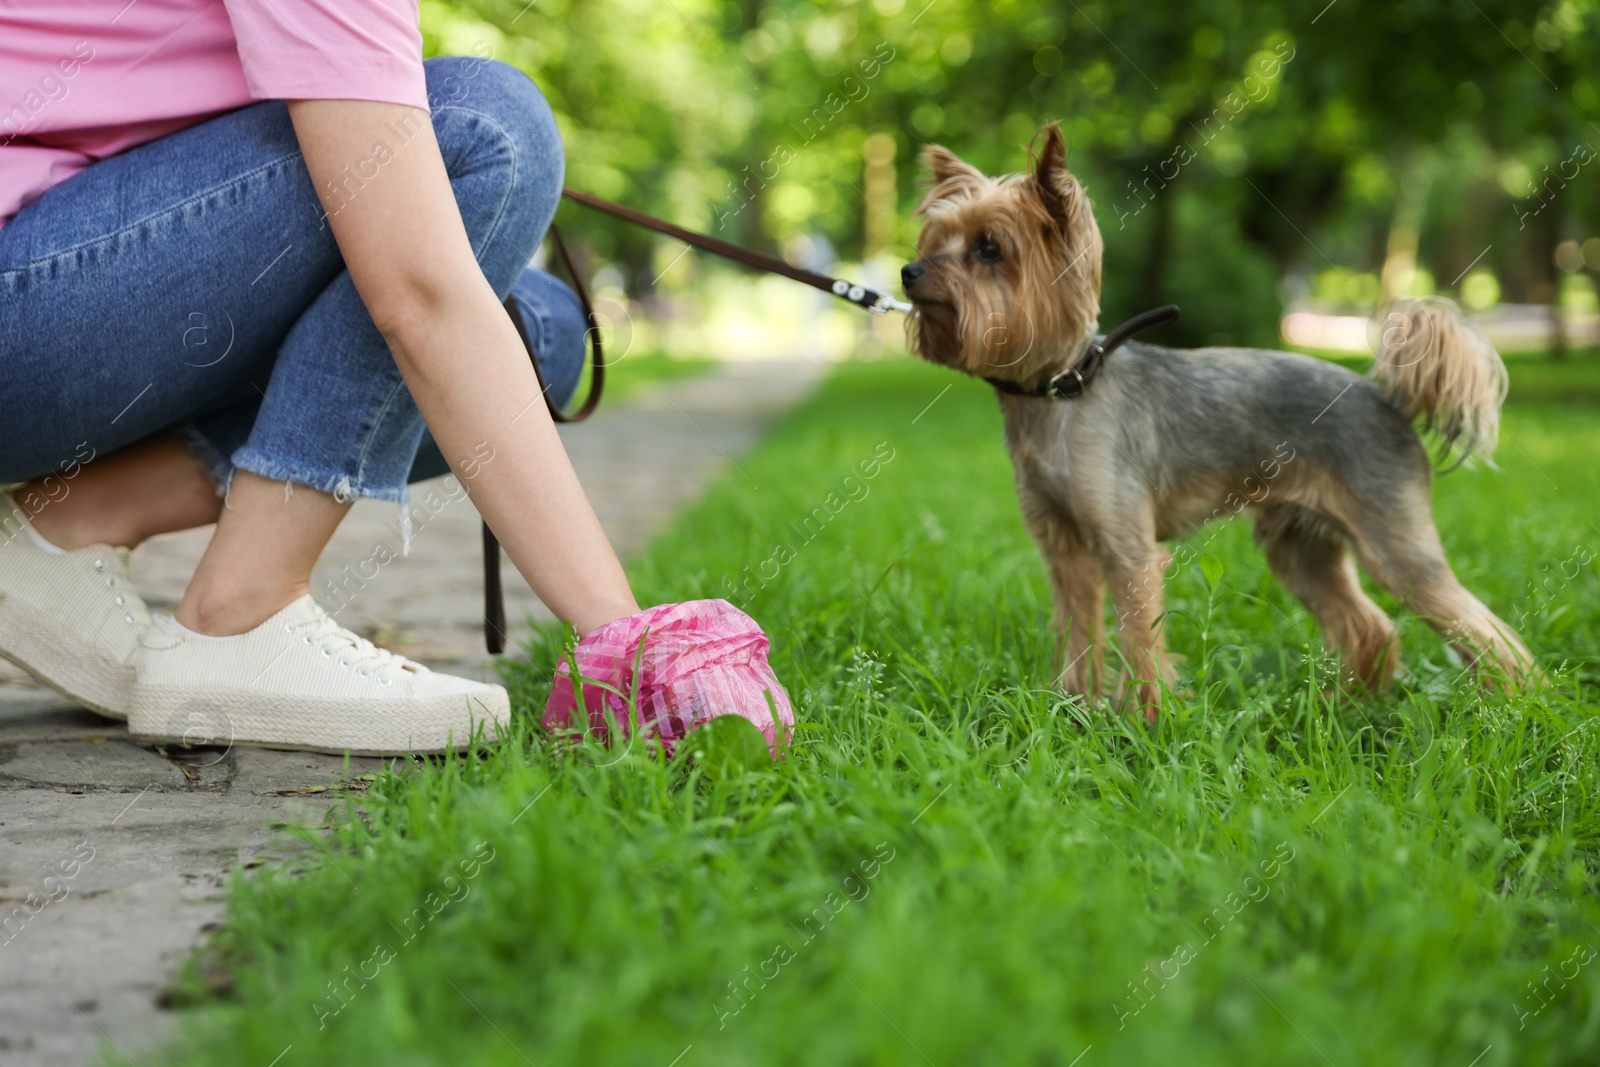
<point>113,765</point>
<point>104,890</point>
<point>150,837</point>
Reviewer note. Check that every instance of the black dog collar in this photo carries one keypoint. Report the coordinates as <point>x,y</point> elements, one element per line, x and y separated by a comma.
<point>1074,381</point>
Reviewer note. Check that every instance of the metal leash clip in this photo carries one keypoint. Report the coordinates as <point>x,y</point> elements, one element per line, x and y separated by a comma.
<point>874,301</point>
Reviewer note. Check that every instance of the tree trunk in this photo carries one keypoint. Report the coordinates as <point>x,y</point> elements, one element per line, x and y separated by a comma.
<point>1543,279</point>
<point>759,147</point>
<point>882,203</point>
<point>1158,248</point>
<point>1405,230</point>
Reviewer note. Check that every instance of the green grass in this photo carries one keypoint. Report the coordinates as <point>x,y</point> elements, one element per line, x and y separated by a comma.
<point>958,866</point>
<point>1536,377</point>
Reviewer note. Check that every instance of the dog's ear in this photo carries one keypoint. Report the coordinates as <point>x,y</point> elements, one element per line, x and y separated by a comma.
<point>1051,182</point>
<point>948,173</point>
<point>945,165</point>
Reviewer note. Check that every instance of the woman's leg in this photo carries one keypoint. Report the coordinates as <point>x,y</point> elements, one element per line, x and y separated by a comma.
<point>154,487</point>
<point>160,486</point>
<point>262,553</point>
<point>335,416</point>
<point>150,288</point>
<point>153,288</point>
<point>141,292</point>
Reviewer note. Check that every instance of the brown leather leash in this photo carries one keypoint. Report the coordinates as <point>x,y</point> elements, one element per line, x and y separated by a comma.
<point>870,299</point>
<point>494,607</point>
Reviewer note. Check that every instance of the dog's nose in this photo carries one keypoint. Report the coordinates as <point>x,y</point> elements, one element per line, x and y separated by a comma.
<point>910,273</point>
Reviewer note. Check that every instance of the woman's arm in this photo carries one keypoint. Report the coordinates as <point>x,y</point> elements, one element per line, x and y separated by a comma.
<point>407,252</point>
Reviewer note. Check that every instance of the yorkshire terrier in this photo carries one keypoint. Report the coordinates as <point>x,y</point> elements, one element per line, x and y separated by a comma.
<point>1115,455</point>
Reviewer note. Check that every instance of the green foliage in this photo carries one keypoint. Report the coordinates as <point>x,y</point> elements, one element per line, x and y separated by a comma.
<point>727,747</point>
<point>1248,141</point>
<point>955,864</point>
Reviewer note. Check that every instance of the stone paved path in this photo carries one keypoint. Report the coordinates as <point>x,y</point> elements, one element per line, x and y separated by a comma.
<point>113,857</point>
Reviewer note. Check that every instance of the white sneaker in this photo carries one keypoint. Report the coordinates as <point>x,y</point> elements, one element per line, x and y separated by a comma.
<point>70,617</point>
<point>302,681</point>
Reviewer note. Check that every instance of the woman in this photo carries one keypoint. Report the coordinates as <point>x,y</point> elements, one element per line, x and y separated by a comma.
<point>247,251</point>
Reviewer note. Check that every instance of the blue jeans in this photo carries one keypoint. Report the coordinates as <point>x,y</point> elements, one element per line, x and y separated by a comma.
<point>192,285</point>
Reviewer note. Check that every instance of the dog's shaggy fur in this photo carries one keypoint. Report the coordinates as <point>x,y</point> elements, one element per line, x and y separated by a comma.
<point>1007,285</point>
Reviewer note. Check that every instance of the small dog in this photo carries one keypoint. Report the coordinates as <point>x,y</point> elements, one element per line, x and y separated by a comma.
<point>1007,287</point>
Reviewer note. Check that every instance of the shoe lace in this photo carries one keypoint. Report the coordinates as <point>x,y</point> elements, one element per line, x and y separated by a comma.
<point>352,650</point>
<point>119,584</point>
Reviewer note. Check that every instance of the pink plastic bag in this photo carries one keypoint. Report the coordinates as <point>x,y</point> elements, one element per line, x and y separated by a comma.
<point>701,659</point>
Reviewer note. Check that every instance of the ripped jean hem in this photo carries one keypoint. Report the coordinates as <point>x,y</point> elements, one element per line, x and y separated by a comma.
<point>217,467</point>
<point>336,483</point>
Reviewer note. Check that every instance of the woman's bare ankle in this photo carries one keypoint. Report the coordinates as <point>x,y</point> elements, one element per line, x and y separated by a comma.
<point>260,557</point>
<point>223,613</point>
<point>70,528</point>
<point>156,486</point>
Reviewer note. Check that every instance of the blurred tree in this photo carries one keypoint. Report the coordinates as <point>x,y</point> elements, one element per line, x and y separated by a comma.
<point>1228,146</point>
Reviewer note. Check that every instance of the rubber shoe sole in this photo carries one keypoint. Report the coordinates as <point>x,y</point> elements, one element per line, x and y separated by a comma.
<point>98,681</point>
<point>360,727</point>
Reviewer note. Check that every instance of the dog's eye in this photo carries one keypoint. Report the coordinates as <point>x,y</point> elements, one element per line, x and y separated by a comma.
<point>986,250</point>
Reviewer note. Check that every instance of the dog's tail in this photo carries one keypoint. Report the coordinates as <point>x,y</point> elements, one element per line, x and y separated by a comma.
<point>1438,366</point>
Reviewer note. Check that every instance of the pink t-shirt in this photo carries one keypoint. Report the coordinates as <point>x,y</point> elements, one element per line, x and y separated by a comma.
<point>81,80</point>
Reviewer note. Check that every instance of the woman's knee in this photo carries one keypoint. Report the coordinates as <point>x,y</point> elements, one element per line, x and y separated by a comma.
<point>493,123</point>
